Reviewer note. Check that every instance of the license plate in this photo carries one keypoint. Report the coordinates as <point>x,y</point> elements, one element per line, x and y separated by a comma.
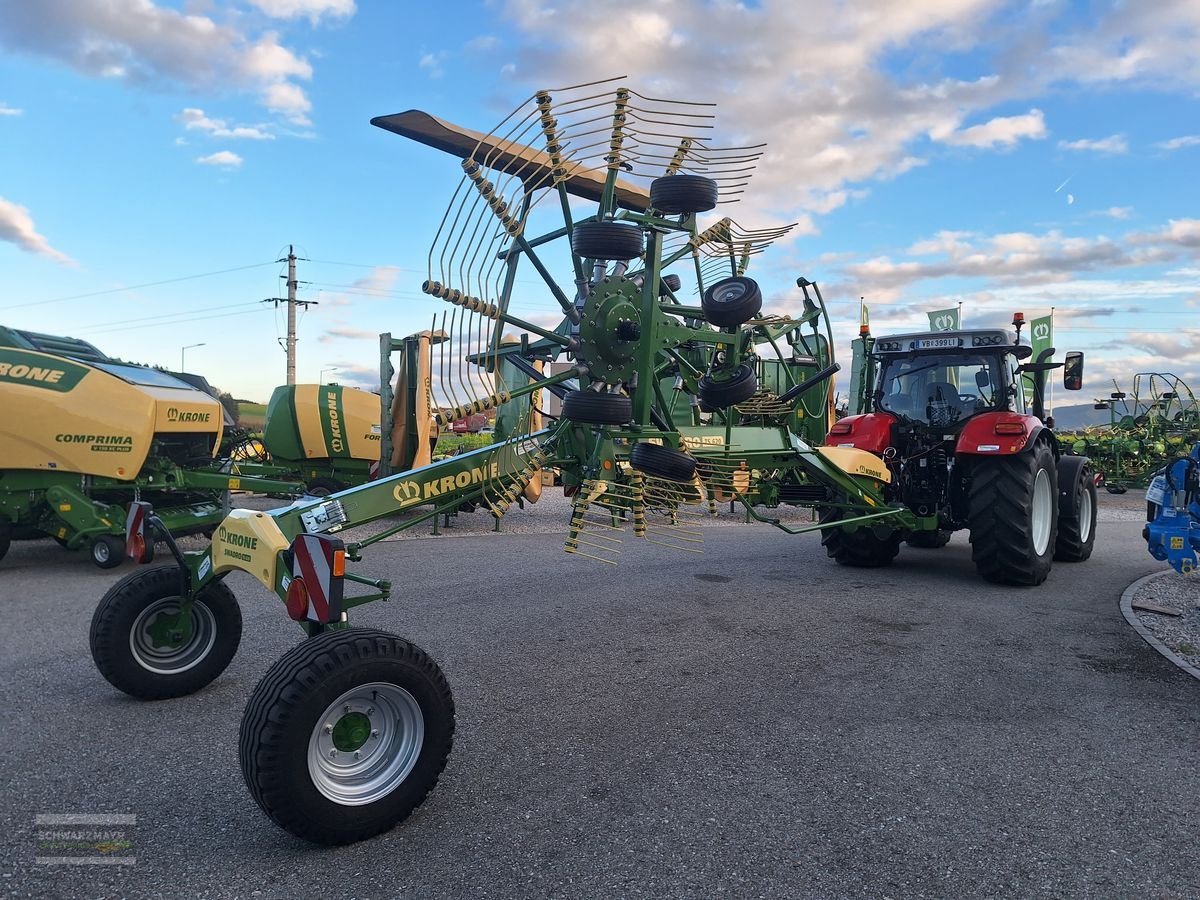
<point>937,343</point>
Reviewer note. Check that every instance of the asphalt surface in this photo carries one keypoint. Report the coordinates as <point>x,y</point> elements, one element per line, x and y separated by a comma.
<point>755,721</point>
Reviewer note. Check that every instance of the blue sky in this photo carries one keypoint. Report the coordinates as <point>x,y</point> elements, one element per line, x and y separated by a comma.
<point>1008,155</point>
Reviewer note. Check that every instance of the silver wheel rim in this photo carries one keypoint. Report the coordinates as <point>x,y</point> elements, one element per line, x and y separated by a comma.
<point>101,552</point>
<point>1043,511</point>
<point>171,659</point>
<point>1085,516</point>
<point>356,776</point>
<point>731,293</point>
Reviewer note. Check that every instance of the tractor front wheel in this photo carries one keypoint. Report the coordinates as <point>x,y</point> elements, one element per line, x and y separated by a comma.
<point>146,644</point>
<point>346,734</point>
<point>868,547</point>
<point>1077,518</point>
<point>1014,516</point>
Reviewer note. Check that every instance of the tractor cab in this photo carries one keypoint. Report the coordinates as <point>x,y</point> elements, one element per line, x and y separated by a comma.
<point>942,379</point>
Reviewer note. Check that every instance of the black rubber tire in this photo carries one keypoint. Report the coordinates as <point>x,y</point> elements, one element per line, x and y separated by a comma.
<point>870,547</point>
<point>1071,544</point>
<point>929,540</point>
<point>1115,488</point>
<point>107,551</point>
<point>284,710</point>
<point>731,302</point>
<point>730,391</point>
<point>670,283</point>
<point>119,610</point>
<point>662,462</point>
<point>1001,514</point>
<point>683,194</point>
<point>593,408</point>
<point>323,487</point>
<point>606,240</point>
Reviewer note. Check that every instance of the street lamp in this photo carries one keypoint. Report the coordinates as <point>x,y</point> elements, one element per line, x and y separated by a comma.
<point>321,377</point>
<point>183,350</point>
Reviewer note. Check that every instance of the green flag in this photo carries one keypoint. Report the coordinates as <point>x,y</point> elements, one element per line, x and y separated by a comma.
<point>1041,336</point>
<point>944,319</point>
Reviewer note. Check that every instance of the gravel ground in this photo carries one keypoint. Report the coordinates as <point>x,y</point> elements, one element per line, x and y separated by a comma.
<point>1179,633</point>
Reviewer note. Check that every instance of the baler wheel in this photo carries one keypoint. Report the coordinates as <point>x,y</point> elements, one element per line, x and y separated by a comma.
<point>683,194</point>
<point>731,391</point>
<point>1014,516</point>
<point>606,240</point>
<point>662,462</point>
<point>108,551</point>
<point>731,302</point>
<point>346,735</point>
<point>323,487</point>
<point>145,647</point>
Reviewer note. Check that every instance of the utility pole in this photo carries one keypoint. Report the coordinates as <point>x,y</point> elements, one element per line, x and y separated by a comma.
<point>292,303</point>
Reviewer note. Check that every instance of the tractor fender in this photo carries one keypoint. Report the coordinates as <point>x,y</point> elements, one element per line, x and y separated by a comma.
<point>979,436</point>
<point>1069,468</point>
<point>869,431</point>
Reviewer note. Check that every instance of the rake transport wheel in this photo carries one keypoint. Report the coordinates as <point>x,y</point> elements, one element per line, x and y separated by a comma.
<point>739,386</point>
<point>146,645</point>
<point>868,547</point>
<point>1076,512</point>
<point>606,240</point>
<point>1014,516</point>
<point>929,540</point>
<point>670,283</point>
<point>662,462</point>
<point>731,302</point>
<point>594,408</point>
<point>107,551</point>
<point>683,194</point>
<point>346,734</point>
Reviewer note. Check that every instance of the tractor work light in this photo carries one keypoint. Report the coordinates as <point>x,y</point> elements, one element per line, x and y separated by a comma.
<point>1018,319</point>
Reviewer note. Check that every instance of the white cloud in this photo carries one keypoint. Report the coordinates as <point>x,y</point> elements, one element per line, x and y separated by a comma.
<point>226,158</point>
<point>432,63</point>
<point>6,110</point>
<point>1003,131</point>
<point>1115,143</point>
<point>289,101</point>
<point>16,227</point>
<point>1118,212</point>
<point>313,10</point>
<point>1190,140</point>
<point>144,44</point>
<point>196,119</point>
<point>346,333</point>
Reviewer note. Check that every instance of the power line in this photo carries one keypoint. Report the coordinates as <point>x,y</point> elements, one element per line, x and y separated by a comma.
<point>134,287</point>
<point>181,316</point>
<point>172,324</point>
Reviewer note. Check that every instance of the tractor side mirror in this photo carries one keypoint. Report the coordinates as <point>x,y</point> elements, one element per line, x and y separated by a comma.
<point>1073,371</point>
<point>981,379</point>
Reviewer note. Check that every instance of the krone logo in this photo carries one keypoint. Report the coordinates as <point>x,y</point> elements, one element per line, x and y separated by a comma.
<point>944,323</point>
<point>176,415</point>
<point>1041,331</point>
<point>406,491</point>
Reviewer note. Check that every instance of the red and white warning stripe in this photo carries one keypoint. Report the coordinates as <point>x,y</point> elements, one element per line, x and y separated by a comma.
<point>316,561</point>
<point>138,545</point>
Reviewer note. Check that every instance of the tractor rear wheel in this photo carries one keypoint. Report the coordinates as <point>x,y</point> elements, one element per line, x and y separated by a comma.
<point>683,194</point>
<point>346,735</point>
<point>145,646</point>
<point>1077,520</point>
<point>108,551</point>
<point>929,540</point>
<point>869,547</point>
<point>593,408</point>
<point>606,240</point>
<point>738,387</point>
<point>1014,516</point>
<point>662,462</point>
<point>731,302</point>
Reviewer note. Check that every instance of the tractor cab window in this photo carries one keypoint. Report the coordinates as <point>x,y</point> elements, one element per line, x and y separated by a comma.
<point>942,389</point>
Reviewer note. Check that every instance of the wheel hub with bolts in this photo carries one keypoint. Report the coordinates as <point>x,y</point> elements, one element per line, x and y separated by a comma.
<point>610,330</point>
<point>365,743</point>
<point>167,640</point>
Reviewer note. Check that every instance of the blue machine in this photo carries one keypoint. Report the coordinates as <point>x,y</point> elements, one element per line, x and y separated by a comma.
<point>1173,507</point>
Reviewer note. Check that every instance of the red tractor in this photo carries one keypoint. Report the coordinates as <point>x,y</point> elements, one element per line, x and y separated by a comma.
<point>966,448</point>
